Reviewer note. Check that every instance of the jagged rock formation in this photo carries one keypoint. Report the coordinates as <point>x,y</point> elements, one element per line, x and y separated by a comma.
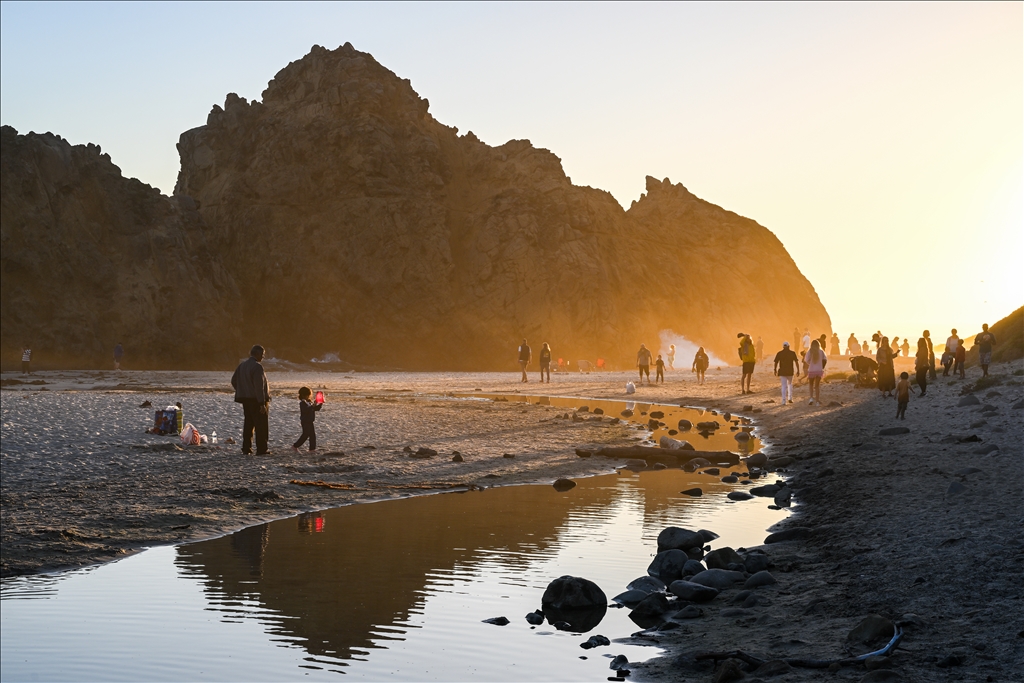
<point>355,223</point>
<point>337,216</point>
<point>90,258</point>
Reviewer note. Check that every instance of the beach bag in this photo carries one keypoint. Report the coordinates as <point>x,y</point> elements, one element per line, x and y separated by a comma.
<point>630,388</point>
<point>190,435</point>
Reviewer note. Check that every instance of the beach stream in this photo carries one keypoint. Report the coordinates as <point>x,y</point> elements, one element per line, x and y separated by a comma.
<point>393,589</point>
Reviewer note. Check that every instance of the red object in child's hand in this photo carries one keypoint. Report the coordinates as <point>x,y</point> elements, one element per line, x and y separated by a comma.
<point>319,397</point>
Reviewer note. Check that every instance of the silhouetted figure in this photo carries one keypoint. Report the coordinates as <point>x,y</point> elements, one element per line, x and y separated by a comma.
<point>985,341</point>
<point>903,390</point>
<point>922,364</point>
<point>545,362</point>
<point>949,355</point>
<point>906,347</point>
<point>958,360</point>
<point>865,349</point>
<point>748,356</point>
<point>835,346</point>
<point>852,346</point>
<point>931,355</point>
<point>253,391</point>
<point>525,356</point>
<point>118,355</point>
<point>659,365</point>
<point>786,365</point>
<point>700,364</point>
<point>307,417</point>
<point>886,371</point>
<point>643,363</point>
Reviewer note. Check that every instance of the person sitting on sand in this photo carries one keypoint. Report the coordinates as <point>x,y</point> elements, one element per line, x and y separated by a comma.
<point>886,371</point>
<point>903,390</point>
<point>307,416</point>
<point>545,362</point>
<point>253,391</point>
<point>643,363</point>
<point>700,364</point>
<point>786,364</point>
<point>816,361</point>
<point>659,365</point>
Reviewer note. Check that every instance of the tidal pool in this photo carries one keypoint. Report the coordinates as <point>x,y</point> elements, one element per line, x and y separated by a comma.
<point>395,589</point>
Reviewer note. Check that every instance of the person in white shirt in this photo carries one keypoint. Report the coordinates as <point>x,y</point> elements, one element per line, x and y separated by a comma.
<point>952,343</point>
<point>805,341</point>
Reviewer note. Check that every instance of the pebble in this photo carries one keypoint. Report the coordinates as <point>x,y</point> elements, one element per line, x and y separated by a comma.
<point>535,618</point>
<point>730,479</point>
<point>694,592</point>
<point>955,488</point>
<point>497,621</point>
<point>562,485</point>
<point>739,495</point>
<point>618,662</point>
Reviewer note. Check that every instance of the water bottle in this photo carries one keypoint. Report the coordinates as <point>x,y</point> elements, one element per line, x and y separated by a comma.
<point>213,437</point>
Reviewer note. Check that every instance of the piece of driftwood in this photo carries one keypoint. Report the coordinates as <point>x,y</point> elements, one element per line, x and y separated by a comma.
<point>806,663</point>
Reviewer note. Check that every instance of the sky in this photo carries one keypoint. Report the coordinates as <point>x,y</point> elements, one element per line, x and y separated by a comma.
<point>881,142</point>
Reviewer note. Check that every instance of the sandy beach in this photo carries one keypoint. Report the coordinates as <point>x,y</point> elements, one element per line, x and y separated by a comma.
<point>921,528</point>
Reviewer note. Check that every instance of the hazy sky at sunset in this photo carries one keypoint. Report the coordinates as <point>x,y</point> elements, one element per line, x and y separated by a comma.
<point>882,143</point>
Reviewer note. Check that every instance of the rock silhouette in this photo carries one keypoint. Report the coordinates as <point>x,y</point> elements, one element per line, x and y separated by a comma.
<point>338,216</point>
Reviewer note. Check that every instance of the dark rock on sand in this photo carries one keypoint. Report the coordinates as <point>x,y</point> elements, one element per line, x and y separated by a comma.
<point>717,578</point>
<point>696,493</point>
<point>618,662</point>
<point>508,455</point>
<point>584,453</point>
<point>595,641</point>
<point>756,460</point>
<point>755,562</point>
<point>872,630</point>
<point>598,411</point>
<point>739,495</point>
<point>668,565</point>
<point>793,534</point>
<point>458,458</point>
<point>653,605</point>
<point>423,453</point>
<point>674,537</point>
<point>689,612</point>
<point>630,597</point>
<point>657,414</point>
<point>986,449</point>
<point>730,479</point>
<point>969,400</point>
<point>497,621</point>
<point>647,584</point>
<point>562,485</point>
<point>573,592</point>
<point>761,578</point>
<point>694,592</point>
<point>728,671</point>
<point>955,488</point>
<point>721,558</point>
<point>692,567</point>
<point>536,618</point>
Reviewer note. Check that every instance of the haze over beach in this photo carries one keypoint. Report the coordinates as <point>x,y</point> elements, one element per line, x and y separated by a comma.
<point>324,332</point>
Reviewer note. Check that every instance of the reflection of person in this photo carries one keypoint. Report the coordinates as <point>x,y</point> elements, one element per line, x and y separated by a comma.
<point>253,391</point>
<point>643,363</point>
<point>786,364</point>
<point>659,370</point>
<point>903,390</point>
<point>816,360</point>
<point>985,341</point>
<point>118,355</point>
<point>307,417</point>
<point>545,362</point>
<point>671,356</point>
<point>886,371</point>
<point>525,356</point>
<point>700,364</point>
<point>26,360</point>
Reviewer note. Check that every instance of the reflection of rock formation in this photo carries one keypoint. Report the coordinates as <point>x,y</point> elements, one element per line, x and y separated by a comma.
<point>91,258</point>
<point>372,564</point>
<point>340,191</point>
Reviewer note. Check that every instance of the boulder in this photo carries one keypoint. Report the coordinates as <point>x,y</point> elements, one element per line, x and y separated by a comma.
<point>647,584</point>
<point>693,567</point>
<point>694,592</point>
<point>755,562</point>
<point>689,612</point>
<point>573,592</point>
<point>674,537</point>
<point>969,400</point>
<point>668,565</point>
<point>669,443</point>
<point>562,485</point>
<point>630,597</point>
<point>653,605</point>
<point>707,535</point>
<point>739,495</point>
<point>767,491</point>
<point>535,618</point>
<point>756,460</point>
<point>708,425</point>
<point>717,578</point>
<point>761,578</point>
<point>721,558</point>
<point>657,414</point>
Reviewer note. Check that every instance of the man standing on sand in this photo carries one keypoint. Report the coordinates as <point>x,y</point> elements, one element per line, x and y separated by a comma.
<point>952,342</point>
<point>26,360</point>
<point>931,355</point>
<point>985,341</point>
<point>643,363</point>
<point>785,364</point>
<point>118,355</point>
<point>253,392</point>
<point>760,349</point>
<point>525,356</point>
<point>748,356</point>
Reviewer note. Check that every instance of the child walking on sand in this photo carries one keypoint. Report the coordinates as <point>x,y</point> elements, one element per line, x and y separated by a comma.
<point>660,366</point>
<point>903,390</point>
<point>307,414</point>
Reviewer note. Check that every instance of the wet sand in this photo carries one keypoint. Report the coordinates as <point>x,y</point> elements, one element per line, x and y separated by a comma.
<point>894,529</point>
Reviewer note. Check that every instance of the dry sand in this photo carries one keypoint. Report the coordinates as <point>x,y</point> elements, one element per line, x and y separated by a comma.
<point>898,526</point>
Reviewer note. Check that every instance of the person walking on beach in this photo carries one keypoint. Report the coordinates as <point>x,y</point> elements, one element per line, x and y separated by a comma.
<point>253,391</point>
<point>26,360</point>
<point>643,363</point>
<point>886,371</point>
<point>958,359</point>
<point>545,362</point>
<point>984,341</point>
<point>118,355</point>
<point>931,356</point>
<point>835,345</point>
<point>525,356</point>
<point>852,346</point>
<point>952,342</point>
<point>671,356</point>
<point>307,417</point>
<point>805,341</point>
<point>786,363</point>
<point>760,349</point>
<point>921,364</point>
<point>903,390</point>
<point>659,366</point>
<point>816,361</point>
<point>748,356</point>
<point>700,364</point>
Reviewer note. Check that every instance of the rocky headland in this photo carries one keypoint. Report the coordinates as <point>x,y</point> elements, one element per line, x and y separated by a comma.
<point>338,216</point>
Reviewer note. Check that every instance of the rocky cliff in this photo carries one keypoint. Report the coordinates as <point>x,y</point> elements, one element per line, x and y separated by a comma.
<point>338,216</point>
<point>90,258</point>
<point>355,223</point>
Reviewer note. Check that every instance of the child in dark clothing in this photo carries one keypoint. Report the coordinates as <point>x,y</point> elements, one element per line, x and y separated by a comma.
<point>958,360</point>
<point>307,414</point>
<point>660,365</point>
<point>903,390</point>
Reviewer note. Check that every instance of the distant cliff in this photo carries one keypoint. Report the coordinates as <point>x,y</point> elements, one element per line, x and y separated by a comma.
<point>338,216</point>
<point>89,258</point>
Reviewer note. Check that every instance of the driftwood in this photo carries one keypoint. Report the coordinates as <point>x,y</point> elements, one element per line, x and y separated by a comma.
<point>806,663</point>
<point>657,454</point>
